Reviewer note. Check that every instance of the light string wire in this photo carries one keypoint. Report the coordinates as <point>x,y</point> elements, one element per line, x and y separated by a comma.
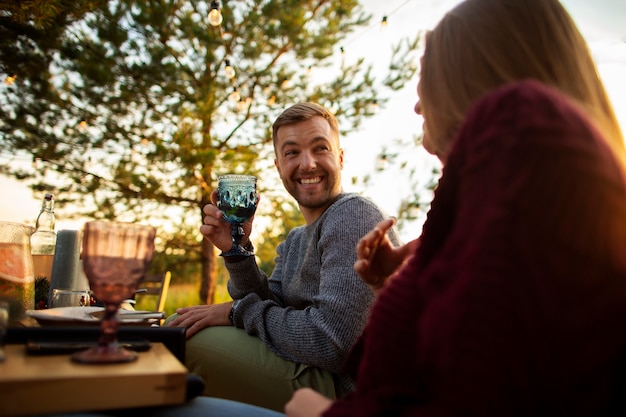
<point>384,19</point>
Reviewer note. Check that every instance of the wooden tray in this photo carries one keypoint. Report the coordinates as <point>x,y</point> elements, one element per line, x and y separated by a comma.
<point>34,385</point>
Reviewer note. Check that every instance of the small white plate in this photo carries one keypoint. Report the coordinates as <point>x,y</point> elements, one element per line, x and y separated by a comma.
<point>89,315</point>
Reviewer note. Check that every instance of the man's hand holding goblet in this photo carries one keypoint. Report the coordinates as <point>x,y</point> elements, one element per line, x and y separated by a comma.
<point>217,230</point>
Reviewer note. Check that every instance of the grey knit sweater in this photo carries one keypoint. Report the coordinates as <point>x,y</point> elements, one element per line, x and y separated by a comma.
<point>314,306</point>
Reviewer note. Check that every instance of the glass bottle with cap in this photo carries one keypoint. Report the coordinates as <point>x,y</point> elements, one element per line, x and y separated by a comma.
<point>43,241</point>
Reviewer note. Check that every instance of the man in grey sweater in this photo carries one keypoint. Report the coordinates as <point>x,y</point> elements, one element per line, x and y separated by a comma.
<point>296,328</point>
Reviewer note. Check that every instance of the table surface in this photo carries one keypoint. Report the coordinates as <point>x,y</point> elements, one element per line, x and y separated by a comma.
<point>31,385</point>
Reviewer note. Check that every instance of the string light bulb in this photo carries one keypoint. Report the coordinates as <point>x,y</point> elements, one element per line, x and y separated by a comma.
<point>215,16</point>
<point>382,162</point>
<point>383,23</point>
<point>372,106</point>
<point>234,97</point>
<point>243,103</point>
<point>229,71</point>
<point>10,79</point>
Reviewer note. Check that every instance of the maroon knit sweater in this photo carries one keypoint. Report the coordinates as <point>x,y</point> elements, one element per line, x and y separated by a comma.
<point>515,302</point>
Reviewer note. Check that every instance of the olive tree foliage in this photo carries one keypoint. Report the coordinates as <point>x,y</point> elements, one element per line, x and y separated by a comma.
<point>126,112</point>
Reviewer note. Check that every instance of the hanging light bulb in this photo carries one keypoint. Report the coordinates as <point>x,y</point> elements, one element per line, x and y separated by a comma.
<point>10,79</point>
<point>89,163</point>
<point>383,23</point>
<point>242,104</point>
<point>82,125</point>
<point>234,96</point>
<point>215,16</point>
<point>229,71</point>
<point>382,162</point>
<point>372,106</point>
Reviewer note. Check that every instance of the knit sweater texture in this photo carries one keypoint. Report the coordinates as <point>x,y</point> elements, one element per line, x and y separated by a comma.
<point>515,302</point>
<point>314,306</point>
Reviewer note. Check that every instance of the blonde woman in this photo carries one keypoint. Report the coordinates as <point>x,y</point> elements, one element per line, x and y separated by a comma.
<point>481,45</point>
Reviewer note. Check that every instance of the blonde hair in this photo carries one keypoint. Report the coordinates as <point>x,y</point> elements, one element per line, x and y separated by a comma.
<point>482,44</point>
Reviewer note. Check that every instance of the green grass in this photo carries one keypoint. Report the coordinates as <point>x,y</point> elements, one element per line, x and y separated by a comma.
<point>181,295</point>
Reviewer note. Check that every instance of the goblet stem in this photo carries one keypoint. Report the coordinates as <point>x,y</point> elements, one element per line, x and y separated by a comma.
<point>236,235</point>
<point>107,350</point>
<point>236,232</point>
<point>108,326</point>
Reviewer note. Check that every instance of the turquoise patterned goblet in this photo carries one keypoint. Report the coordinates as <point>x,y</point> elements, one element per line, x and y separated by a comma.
<point>237,198</point>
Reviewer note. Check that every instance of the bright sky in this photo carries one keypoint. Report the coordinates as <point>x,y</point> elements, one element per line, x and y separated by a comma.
<point>602,22</point>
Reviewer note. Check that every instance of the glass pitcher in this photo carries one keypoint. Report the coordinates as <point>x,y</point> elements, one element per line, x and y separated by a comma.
<point>17,280</point>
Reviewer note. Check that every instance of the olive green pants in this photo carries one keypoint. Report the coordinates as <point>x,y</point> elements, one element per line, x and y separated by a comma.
<point>240,367</point>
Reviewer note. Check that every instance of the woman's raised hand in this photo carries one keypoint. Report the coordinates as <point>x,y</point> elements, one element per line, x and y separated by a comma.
<point>377,258</point>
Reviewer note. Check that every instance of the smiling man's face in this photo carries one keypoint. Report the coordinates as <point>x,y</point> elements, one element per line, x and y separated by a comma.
<point>309,162</point>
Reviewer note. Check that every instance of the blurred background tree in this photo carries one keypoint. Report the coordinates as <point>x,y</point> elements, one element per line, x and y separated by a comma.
<point>130,109</point>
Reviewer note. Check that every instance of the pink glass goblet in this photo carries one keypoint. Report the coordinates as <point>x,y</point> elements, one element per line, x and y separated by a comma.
<point>116,257</point>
